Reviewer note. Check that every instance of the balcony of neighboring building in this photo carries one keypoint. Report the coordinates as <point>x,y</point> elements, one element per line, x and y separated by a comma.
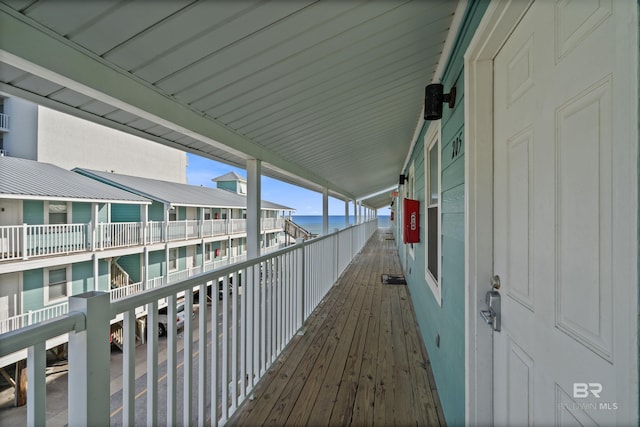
<point>4,122</point>
<point>26,241</point>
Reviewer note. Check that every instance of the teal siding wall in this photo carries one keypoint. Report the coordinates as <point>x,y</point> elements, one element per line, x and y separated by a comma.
<point>227,185</point>
<point>125,213</point>
<point>156,211</point>
<point>81,277</point>
<point>132,265</point>
<point>199,255</point>
<point>156,266</point>
<point>103,276</point>
<point>182,258</point>
<point>81,213</point>
<point>448,320</point>
<point>33,282</point>
<point>33,211</point>
<point>103,212</point>
<point>32,293</point>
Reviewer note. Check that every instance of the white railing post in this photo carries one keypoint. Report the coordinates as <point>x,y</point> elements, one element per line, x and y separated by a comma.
<point>89,355</point>
<point>25,254</point>
<point>301,286</point>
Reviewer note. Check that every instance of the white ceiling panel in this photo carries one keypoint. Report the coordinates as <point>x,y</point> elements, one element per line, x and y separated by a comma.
<point>327,93</point>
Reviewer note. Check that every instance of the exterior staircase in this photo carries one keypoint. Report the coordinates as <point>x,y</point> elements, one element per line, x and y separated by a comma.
<point>296,231</point>
<point>119,277</point>
<point>117,335</point>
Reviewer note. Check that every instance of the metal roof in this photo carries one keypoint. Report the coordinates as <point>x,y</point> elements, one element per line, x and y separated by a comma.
<point>175,193</point>
<point>328,94</point>
<point>27,179</point>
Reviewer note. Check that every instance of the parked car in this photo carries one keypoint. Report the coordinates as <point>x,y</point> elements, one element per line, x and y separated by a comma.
<point>163,321</point>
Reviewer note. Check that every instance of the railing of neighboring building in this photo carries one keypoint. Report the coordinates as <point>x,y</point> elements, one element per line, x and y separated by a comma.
<point>4,122</point>
<point>27,241</point>
<point>280,290</point>
<point>124,290</point>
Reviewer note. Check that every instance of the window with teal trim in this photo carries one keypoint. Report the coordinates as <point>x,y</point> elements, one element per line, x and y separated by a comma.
<point>432,173</point>
<point>57,287</point>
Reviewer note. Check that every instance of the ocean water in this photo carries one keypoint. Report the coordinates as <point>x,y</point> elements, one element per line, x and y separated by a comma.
<point>313,223</point>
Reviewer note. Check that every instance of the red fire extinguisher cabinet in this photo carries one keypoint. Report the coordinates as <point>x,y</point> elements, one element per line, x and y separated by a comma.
<point>411,221</point>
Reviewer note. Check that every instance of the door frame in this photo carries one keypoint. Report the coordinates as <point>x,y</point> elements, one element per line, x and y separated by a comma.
<point>498,22</point>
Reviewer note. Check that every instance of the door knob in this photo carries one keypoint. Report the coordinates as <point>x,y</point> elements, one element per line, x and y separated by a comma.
<point>493,314</point>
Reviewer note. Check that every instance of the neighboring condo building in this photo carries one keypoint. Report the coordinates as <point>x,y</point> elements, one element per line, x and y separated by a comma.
<point>30,131</point>
<point>66,232</point>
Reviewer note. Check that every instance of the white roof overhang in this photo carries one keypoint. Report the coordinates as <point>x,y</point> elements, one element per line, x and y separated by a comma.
<point>326,94</point>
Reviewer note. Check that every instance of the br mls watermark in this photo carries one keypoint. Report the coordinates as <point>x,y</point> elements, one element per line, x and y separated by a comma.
<point>584,391</point>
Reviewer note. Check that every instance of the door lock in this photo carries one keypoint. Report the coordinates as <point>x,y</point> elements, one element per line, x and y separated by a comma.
<point>492,316</point>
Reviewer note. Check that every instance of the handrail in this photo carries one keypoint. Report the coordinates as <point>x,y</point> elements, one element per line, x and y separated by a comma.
<point>25,337</point>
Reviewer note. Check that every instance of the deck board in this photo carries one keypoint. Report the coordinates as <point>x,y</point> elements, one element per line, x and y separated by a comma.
<point>360,361</point>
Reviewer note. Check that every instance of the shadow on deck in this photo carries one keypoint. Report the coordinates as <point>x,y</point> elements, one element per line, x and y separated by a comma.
<point>360,361</point>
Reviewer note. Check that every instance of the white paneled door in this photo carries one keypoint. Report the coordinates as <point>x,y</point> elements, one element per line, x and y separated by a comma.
<point>559,217</point>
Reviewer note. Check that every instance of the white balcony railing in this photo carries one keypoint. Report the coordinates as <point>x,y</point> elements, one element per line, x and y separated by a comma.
<point>32,317</point>
<point>237,226</point>
<point>155,231</point>
<point>214,227</point>
<point>280,290</point>
<point>26,241</point>
<point>4,122</point>
<point>119,234</point>
<point>35,316</point>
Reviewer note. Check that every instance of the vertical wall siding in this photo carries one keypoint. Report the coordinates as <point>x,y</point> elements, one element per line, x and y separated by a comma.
<point>156,211</point>
<point>103,212</point>
<point>132,265</point>
<point>33,211</point>
<point>182,258</point>
<point>156,266</point>
<point>81,277</point>
<point>81,213</point>
<point>448,320</point>
<point>32,292</point>
<point>103,275</point>
<point>125,213</point>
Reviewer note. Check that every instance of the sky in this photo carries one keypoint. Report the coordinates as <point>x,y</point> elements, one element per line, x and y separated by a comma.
<point>201,171</point>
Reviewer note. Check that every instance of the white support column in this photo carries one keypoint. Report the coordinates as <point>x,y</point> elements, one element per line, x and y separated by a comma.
<point>94,226</point>
<point>166,222</point>
<point>346,213</point>
<point>144,216</point>
<point>96,272</point>
<point>201,226</point>
<point>355,211</point>
<point>89,361</point>
<point>145,267</point>
<point>325,211</point>
<point>254,170</point>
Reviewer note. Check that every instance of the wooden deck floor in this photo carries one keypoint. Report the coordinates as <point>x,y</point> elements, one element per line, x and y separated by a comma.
<point>360,360</point>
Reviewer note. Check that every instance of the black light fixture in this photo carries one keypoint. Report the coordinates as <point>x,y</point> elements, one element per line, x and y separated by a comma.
<point>402,179</point>
<point>434,97</point>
